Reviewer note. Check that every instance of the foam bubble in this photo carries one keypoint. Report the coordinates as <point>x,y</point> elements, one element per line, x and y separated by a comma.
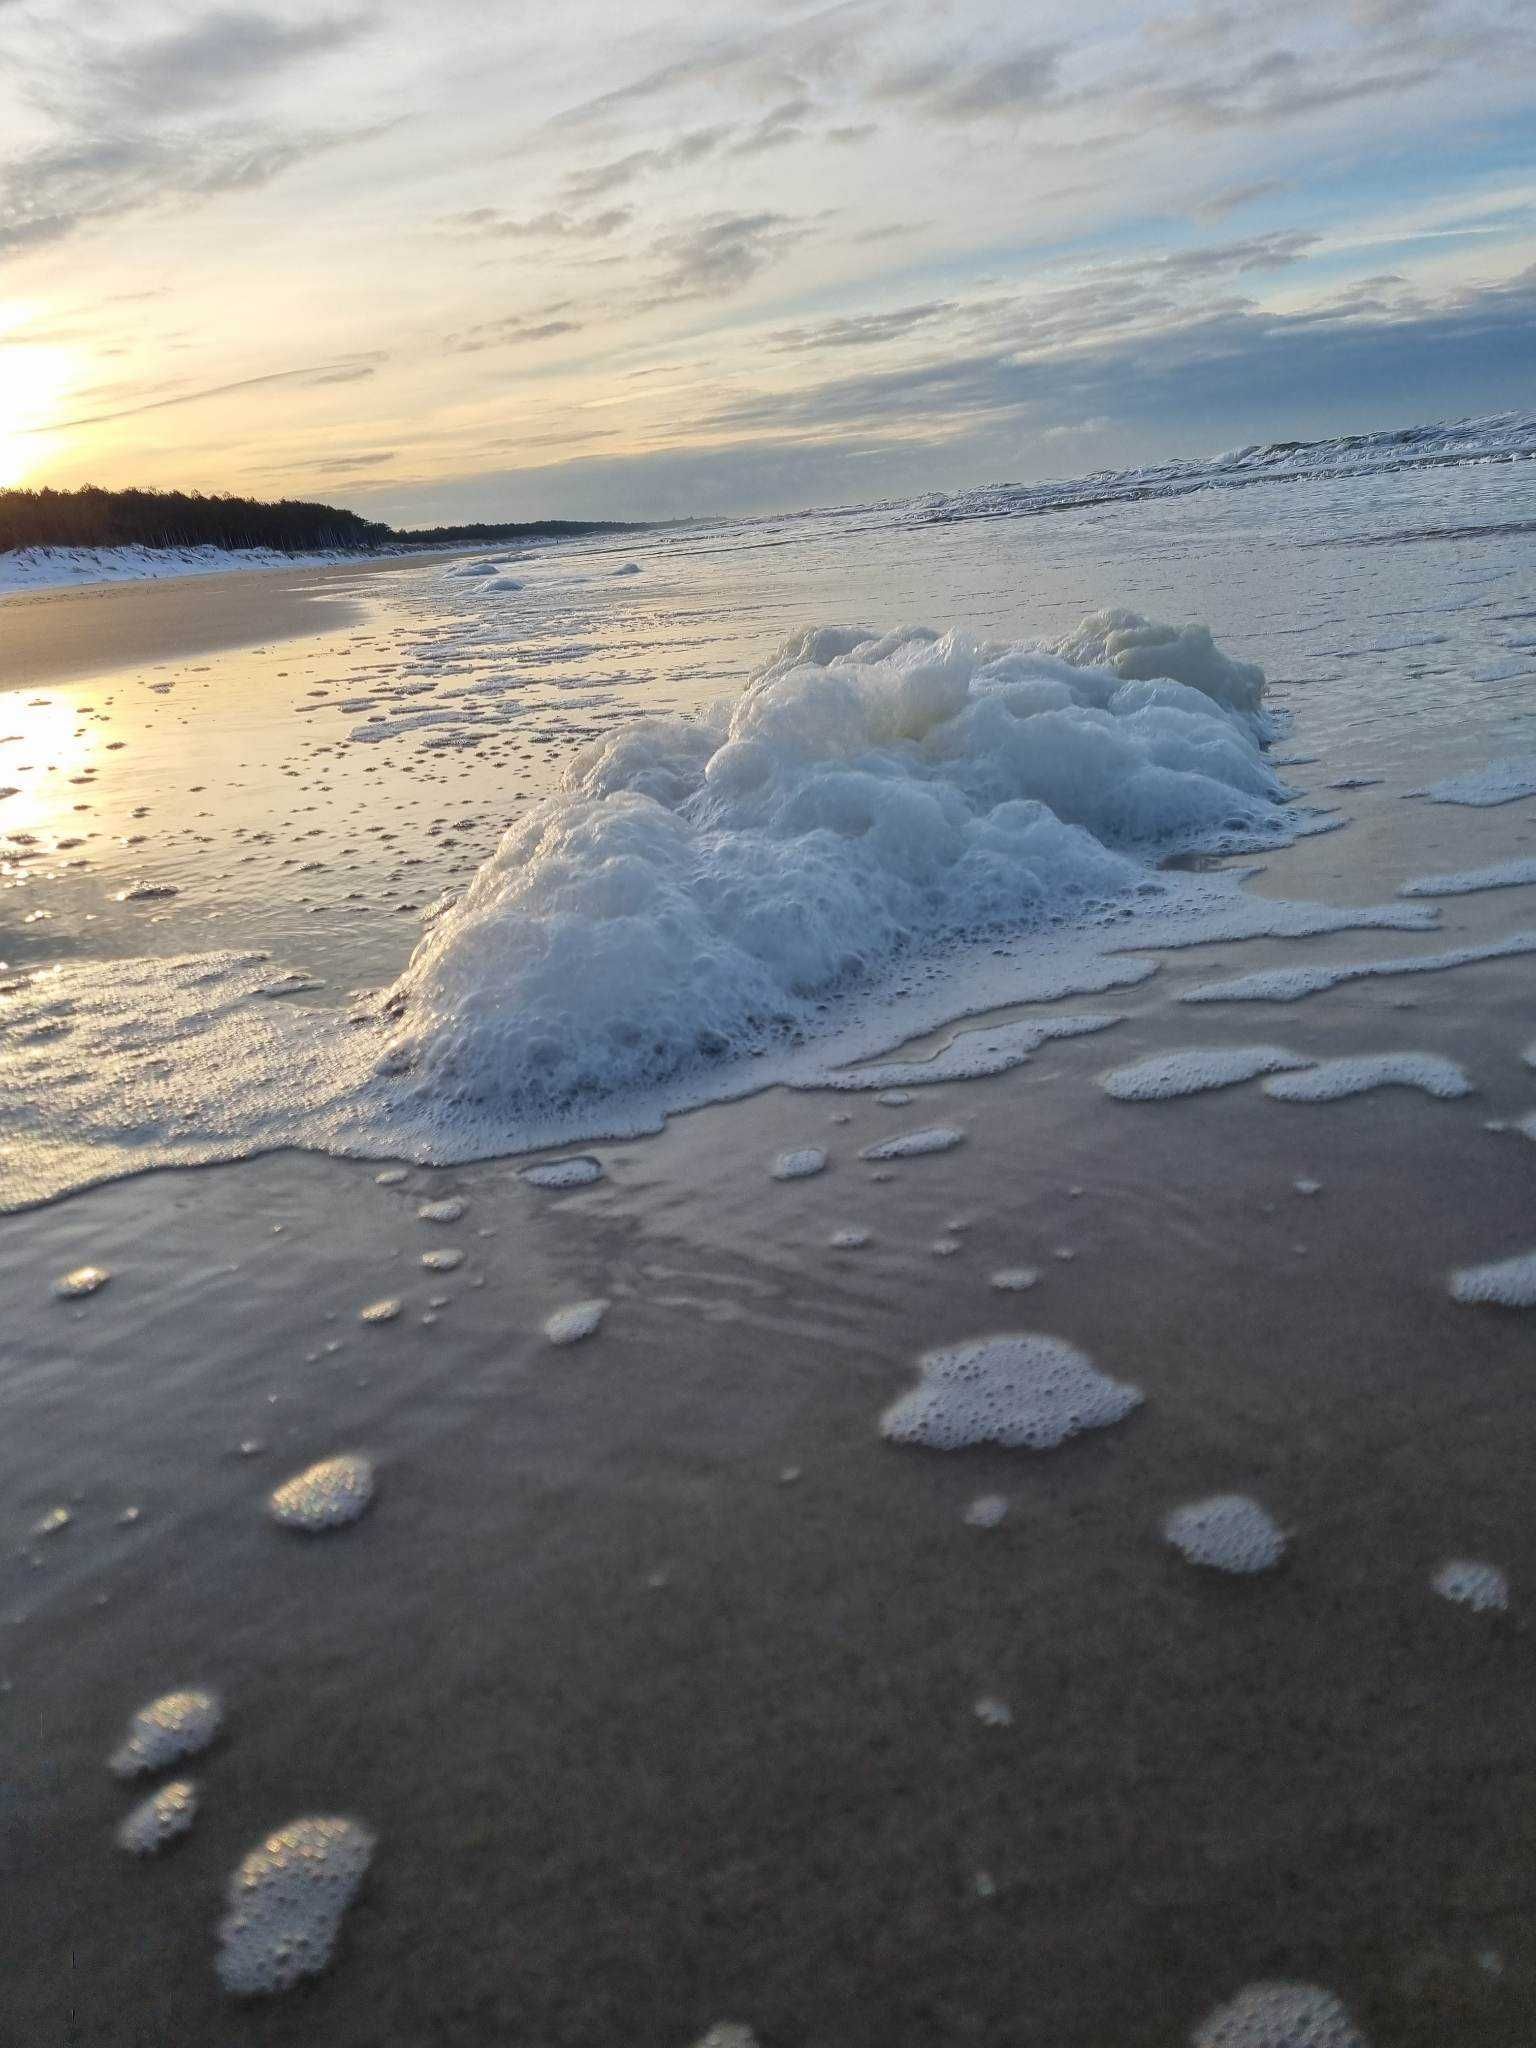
<point>564,1173</point>
<point>1501,782</point>
<point>447,1211</point>
<point>581,1319</point>
<point>1289,984</point>
<point>51,1523</point>
<point>1279,2016</point>
<point>727,2034</point>
<point>1025,1390</point>
<point>915,1144</point>
<point>391,1177</point>
<point>82,1281</point>
<point>993,1713</point>
<point>159,1819</point>
<point>799,1165</point>
<point>1330,1080</point>
<point>383,1311</point>
<point>177,1724</point>
<point>849,1240</point>
<point>1227,1533</point>
<point>1506,1283</point>
<point>1014,1279</point>
<point>1504,874</point>
<point>986,1511</point>
<point>285,1904</point>
<point>324,1496</point>
<point>1482,1587</point>
<point>1190,1072</point>
<point>446,1261</point>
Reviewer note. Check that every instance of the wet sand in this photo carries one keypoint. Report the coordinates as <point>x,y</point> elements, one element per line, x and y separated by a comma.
<point>652,1735</point>
<point>64,634</point>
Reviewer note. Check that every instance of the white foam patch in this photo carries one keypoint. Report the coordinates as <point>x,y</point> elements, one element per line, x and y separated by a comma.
<point>1504,874</point>
<point>850,1239</point>
<point>82,1281</point>
<point>564,1173</point>
<point>324,1496</point>
<point>986,1511</point>
<point>1330,1080</point>
<point>384,1311</point>
<point>449,1210</point>
<point>1289,984</point>
<point>799,1165</point>
<point>1482,1587</point>
<point>448,1260</point>
<point>1015,1279</point>
<point>176,1725</point>
<point>1192,1071</point>
<point>285,1904</point>
<point>727,2033</point>
<point>1501,782</point>
<point>580,1319</point>
<point>1279,2016</point>
<point>971,1055</point>
<point>1506,1283</point>
<point>916,1144</point>
<point>1226,1533</point>
<point>159,1819</point>
<point>1024,1391</point>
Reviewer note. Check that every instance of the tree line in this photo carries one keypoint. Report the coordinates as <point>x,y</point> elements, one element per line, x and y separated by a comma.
<point>94,518</point>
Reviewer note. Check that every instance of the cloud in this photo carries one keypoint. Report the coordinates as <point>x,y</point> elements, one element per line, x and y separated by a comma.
<point>347,370</point>
<point>1025,82</point>
<point>212,62</point>
<point>722,252</point>
<point>514,330</point>
<point>490,222</point>
<point>860,330</point>
<point>1220,204</point>
<point>611,177</point>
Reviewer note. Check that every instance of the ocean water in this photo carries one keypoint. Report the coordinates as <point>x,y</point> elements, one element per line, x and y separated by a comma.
<point>674,1675</point>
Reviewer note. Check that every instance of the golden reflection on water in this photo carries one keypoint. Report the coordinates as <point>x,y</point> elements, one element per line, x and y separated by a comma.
<point>46,749</point>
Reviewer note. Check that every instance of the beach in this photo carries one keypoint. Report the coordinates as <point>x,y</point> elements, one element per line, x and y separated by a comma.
<point>674,1691</point>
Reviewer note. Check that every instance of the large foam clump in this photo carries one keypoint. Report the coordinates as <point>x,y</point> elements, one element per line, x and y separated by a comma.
<point>1024,1392</point>
<point>1290,984</point>
<point>285,1904</point>
<point>1501,782</point>
<point>1279,2016</point>
<point>177,1725</point>
<point>1227,1533</point>
<point>161,1818</point>
<point>1194,1069</point>
<point>702,885</point>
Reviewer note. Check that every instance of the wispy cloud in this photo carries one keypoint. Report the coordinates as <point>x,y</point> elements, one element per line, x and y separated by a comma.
<point>347,370</point>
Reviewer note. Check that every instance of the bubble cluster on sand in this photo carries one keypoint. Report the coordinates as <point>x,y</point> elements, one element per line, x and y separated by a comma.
<point>327,1495</point>
<point>1290,984</point>
<point>849,1239</point>
<point>1279,2016</point>
<point>52,1522</point>
<point>580,1319</point>
<point>1331,1080</point>
<point>915,1144</point>
<point>564,1173</point>
<point>383,1311</point>
<point>285,1904</point>
<point>1167,1075</point>
<point>177,1724</point>
<point>391,1177</point>
<point>1226,1533</point>
<point>1501,782</point>
<point>799,1165</point>
<point>159,1819</point>
<point>1482,1587</point>
<point>1506,1283</point>
<point>1504,874</point>
<point>449,1210</point>
<point>448,1260</point>
<point>1014,1279</point>
<point>1022,1391</point>
<point>82,1281</point>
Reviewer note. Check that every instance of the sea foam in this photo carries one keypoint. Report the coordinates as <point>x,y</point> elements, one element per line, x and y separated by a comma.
<point>1025,1392</point>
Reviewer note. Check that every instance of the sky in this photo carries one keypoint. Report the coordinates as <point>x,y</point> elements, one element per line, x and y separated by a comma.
<point>587,259</point>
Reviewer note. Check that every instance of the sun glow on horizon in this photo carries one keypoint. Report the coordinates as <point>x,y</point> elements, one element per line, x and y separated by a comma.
<point>33,378</point>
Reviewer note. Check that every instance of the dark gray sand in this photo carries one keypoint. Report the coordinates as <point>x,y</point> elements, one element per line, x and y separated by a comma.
<point>651,1734</point>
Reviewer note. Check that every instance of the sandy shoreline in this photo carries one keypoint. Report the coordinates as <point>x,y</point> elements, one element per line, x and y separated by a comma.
<point>59,635</point>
